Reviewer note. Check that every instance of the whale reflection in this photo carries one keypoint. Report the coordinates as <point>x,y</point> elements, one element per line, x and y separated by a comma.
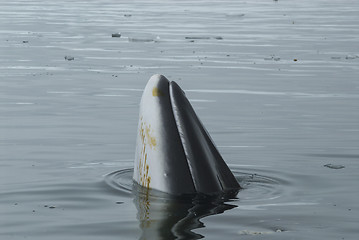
<point>161,216</point>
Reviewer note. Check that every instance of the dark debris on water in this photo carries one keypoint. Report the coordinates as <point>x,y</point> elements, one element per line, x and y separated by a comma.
<point>116,35</point>
<point>49,206</point>
<point>334,166</point>
<point>69,58</point>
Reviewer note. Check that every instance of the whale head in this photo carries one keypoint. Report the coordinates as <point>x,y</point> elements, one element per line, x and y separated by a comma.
<point>174,152</point>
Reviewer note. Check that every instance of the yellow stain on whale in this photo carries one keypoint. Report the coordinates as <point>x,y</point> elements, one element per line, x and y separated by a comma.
<point>148,142</point>
<point>151,139</point>
<point>157,93</point>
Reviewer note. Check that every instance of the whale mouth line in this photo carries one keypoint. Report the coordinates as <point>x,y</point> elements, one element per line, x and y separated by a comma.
<point>179,129</point>
<point>177,95</point>
<point>196,142</point>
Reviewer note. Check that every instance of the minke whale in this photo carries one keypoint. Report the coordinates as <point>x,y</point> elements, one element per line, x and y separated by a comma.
<point>174,152</point>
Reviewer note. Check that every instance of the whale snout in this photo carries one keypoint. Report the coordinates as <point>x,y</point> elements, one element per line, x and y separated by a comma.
<point>174,152</point>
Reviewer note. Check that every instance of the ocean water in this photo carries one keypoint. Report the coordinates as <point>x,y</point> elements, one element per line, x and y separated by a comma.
<point>276,83</point>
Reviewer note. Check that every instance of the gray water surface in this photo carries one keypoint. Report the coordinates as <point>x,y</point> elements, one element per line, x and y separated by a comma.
<point>274,82</point>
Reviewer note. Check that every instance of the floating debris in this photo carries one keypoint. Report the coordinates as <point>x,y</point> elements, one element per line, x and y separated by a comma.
<point>236,15</point>
<point>350,57</point>
<point>116,35</point>
<point>127,15</point>
<point>272,57</point>
<point>247,232</point>
<point>51,207</point>
<point>197,38</point>
<point>69,58</point>
<point>140,40</point>
<point>192,38</point>
<point>295,59</point>
<point>25,41</point>
<point>333,166</point>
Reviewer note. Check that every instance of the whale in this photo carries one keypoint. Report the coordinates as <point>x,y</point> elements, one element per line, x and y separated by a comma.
<point>174,152</point>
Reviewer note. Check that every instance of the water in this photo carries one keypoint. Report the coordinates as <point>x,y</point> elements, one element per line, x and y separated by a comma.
<point>274,82</point>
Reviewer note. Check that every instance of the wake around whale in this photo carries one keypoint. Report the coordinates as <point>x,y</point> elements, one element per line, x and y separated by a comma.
<point>174,152</point>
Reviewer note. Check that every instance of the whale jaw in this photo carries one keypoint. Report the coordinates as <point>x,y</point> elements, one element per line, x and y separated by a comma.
<point>174,152</point>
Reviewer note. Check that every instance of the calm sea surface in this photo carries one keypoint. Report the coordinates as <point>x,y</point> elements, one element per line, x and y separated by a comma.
<point>276,83</point>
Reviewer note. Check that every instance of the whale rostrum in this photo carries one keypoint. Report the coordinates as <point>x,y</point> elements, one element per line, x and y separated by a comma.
<point>174,152</point>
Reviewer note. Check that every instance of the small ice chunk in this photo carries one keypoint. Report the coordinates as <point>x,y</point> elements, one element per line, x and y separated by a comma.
<point>197,38</point>
<point>333,166</point>
<point>236,15</point>
<point>140,40</point>
<point>272,57</point>
<point>350,57</point>
<point>69,58</point>
<point>116,35</point>
<point>247,232</point>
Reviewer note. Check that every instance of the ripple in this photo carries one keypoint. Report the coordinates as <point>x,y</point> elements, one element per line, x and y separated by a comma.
<point>121,180</point>
<point>257,184</point>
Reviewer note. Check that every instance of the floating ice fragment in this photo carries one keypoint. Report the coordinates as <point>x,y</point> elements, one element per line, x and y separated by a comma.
<point>247,232</point>
<point>333,166</point>
<point>69,58</point>
<point>235,15</point>
<point>272,57</point>
<point>116,35</point>
<point>197,37</point>
<point>350,57</point>
<point>140,40</point>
